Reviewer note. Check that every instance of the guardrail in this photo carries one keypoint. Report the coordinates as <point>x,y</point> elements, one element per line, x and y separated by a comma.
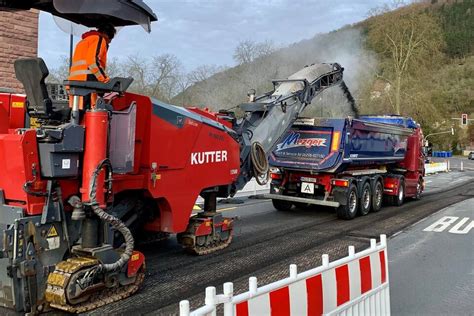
<point>436,167</point>
<point>355,285</point>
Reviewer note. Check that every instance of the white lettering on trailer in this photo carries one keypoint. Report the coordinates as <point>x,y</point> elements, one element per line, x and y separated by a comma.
<point>205,157</point>
<point>443,223</point>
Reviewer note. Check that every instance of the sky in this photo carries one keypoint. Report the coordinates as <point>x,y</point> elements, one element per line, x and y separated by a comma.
<point>206,32</point>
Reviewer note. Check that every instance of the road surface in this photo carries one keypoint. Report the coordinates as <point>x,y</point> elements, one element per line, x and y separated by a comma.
<point>267,241</point>
<point>432,264</point>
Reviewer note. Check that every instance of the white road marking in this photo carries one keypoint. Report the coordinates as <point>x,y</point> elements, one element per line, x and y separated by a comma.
<point>465,230</point>
<point>443,223</point>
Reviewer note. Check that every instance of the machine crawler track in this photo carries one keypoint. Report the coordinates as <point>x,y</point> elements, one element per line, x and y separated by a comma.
<point>207,249</point>
<point>58,282</point>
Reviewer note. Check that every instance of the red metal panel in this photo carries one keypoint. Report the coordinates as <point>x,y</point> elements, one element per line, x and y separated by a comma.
<point>182,168</point>
<point>17,111</point>
<point>135,263</point>
<point>4,112</point>
<point>18,159</point>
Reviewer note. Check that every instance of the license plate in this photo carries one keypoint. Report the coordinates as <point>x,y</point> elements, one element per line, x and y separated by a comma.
<point>307,187</point>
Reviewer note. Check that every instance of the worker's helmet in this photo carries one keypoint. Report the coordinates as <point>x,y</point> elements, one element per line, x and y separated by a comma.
<point>107,29</point>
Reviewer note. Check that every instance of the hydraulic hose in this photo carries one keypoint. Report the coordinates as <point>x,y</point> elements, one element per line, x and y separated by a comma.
<point>261,168</point>
<point>110,219</point>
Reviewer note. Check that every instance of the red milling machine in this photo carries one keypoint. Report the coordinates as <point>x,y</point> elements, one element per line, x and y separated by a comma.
<point>78,190</point>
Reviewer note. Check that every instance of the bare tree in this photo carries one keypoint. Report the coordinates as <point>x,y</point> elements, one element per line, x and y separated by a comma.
<point>165,72</point>
<point>204,72</point>
<point>406,37</point>
<point>138,68</point>
<point>60,73</point>
<point>248,50</point>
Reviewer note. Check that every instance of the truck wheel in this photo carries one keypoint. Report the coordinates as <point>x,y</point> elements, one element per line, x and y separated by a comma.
<point>281,205</point>
<point>398,199</point>
<point>349,211</point>
<point>377,197</point>
<point>365,199</point>
<point>419,190</point>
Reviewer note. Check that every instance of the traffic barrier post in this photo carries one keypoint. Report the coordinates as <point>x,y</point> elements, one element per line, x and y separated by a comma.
<point>356,284</point>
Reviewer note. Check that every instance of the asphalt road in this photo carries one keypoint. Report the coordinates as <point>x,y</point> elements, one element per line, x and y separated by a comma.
<point>266,241</point>
<point>432,264</point>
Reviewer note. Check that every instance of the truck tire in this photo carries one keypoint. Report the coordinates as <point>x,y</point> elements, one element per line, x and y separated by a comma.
<point>281,205</point>
<point>349,211</point>
<point>397,200</point>
<point>419,189</point>
<point>365,199</point>
<point>377,197</point>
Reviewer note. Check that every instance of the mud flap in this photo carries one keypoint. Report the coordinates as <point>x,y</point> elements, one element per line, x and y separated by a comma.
<point>340,195</point>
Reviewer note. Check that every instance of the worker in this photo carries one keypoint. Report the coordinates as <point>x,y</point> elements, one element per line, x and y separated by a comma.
<point>90,59</point>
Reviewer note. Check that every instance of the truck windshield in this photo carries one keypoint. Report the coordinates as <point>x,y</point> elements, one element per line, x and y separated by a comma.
<point>304,144</point>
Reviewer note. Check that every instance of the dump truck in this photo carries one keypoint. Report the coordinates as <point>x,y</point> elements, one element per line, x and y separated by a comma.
<point>350,164</point>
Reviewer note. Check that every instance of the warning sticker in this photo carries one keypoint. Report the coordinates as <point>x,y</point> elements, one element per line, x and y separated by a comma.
<point>53,243</point>
<point>53,239</point>
<point>52,232</point>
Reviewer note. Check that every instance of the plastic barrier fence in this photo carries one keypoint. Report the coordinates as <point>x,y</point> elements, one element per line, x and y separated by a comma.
<point>431,168</point>
<point>355,285</point>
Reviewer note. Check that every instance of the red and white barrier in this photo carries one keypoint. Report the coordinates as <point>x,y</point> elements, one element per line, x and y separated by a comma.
<point>435,167</point>
<point>357,285</point>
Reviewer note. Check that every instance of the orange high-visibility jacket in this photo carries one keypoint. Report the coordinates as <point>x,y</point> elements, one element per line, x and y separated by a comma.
<point>90,58</point>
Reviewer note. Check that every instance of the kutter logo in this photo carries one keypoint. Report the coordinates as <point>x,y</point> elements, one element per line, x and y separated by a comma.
<point>294,140</point>
<point>206,157</point>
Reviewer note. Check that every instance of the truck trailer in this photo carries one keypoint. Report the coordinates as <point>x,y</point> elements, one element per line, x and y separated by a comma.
<point>353,165</point>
